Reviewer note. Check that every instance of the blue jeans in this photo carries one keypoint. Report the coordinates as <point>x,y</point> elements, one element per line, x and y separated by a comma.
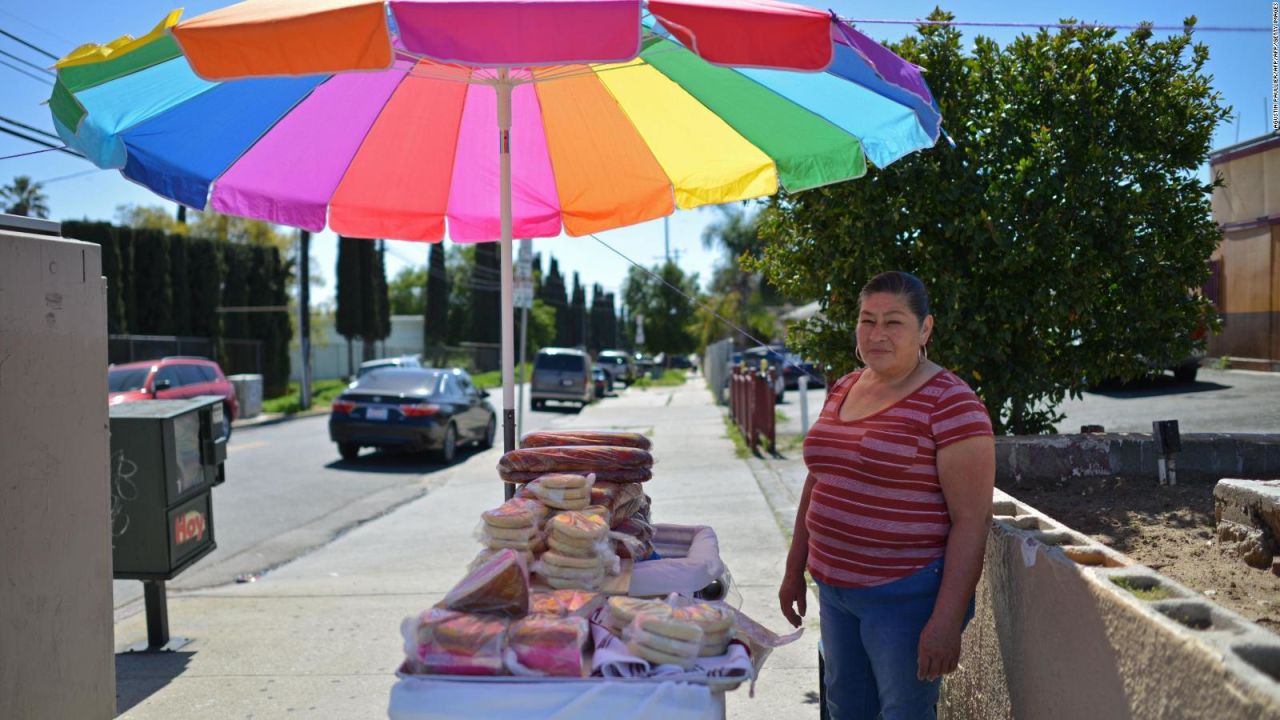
<point>870,642</point>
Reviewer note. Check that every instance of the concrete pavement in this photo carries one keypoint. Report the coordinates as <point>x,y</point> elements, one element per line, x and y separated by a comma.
<point>319,637</point>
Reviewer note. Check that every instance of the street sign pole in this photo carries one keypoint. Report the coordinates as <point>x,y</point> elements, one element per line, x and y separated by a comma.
<point>523,300</point>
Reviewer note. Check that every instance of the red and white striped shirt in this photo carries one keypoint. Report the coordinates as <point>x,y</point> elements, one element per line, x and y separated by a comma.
<point>876,512</point>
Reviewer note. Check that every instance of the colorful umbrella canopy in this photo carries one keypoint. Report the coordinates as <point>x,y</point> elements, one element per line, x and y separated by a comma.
<point>378,119</point>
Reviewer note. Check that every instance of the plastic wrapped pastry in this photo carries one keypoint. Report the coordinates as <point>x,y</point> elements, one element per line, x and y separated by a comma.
<point>554,438</point>
<point>546,645</point>
<point>575,459</point>
<point>500,585</point>
<point>455,643</point>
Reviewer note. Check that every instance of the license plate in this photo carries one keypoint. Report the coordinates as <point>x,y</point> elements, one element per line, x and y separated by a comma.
<point>375,413</point>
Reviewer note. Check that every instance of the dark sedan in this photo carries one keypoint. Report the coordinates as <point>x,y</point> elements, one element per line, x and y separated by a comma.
<point>412,409</point>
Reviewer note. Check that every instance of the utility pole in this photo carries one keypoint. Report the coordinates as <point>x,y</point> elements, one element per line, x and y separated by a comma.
<point>304,317</point>
<point>666,237</point>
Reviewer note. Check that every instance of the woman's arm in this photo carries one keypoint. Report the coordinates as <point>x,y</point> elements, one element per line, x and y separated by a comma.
<point>794,591</point>
<point>966,471</point>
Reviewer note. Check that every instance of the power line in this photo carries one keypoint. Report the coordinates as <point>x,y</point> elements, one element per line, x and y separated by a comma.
<point>1058,26</point>
<point>82,173</point>
<point>24,126</point>
<point>38,28</point>
<point>33,76</point>
<point>704,306</point>
<point>31,152</point>
<point>37,141</point>
<point>28,63</point>
<point>37,48</point>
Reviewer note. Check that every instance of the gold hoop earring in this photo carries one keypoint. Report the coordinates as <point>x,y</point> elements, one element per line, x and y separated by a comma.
<point>857,352</point>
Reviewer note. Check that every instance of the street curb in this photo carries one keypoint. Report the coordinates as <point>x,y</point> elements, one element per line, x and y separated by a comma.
<point>277,418</point>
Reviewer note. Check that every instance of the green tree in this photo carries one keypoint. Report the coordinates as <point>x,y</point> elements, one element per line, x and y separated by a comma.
<point>578,314</point>
<point>407,291</point>
<point>153,217</point>
<point>235,290</point>
<point>435,325</point>
<point>154,284</point>
<point>668,313</point>
<point>206,268</point>
<point>1059,238</point>
<point>23,197</point>
<point>178,274</point>
<point>459,262</point>
<point>382,304</point>
<point>554,295</point>
<point>348,320</point>
<point>486,294</point>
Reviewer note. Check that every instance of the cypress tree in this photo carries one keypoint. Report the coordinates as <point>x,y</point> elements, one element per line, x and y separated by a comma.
<point>486,294</point>
<point>383,295</point>
<point>151,273</point>
<point>235,291</point>
<point>435,321</point>
<point>107,236</point>
<point>179,265</point>
<point>206,268</point>
<point>370,324</point>
<point>578,314</point>
<point>553,295</point>
<point>350,289</point>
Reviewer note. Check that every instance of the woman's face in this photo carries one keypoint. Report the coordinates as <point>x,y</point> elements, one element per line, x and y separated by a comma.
<point>889,335</point>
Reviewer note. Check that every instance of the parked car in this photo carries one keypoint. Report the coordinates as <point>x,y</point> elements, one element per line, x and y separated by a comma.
<point>680,362</point>
<point>561,374</point>
<point>412,409</point>
<point>618,364</point>
<point>601,381</point>
<point>171,378</point>
<point>411,361</point>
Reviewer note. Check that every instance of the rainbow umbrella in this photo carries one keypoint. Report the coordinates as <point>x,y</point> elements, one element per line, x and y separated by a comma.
<point>488,119</point>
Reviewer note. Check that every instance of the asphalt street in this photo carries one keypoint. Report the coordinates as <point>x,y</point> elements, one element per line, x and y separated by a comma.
<point>288,492</point>
<point>1225,401</point>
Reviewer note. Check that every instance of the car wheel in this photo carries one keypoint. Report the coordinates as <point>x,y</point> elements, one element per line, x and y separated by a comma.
<point>348,451</point>
<point>490,432</point>
<point>535,404</point>
<point>226,421</point>
<point>449,448</point>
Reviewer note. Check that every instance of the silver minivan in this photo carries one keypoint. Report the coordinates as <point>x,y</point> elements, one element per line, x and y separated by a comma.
<point>562,374</point>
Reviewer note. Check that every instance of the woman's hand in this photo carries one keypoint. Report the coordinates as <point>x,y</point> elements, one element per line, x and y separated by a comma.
<point>793,597</point>
<point>939,650</point>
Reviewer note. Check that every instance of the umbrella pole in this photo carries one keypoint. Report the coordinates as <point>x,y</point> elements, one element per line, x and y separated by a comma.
<point>503,88</point>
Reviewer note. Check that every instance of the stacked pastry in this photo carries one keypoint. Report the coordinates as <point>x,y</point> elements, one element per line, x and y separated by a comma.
<point>562,491</point>
<point>661,638</point>
<point>716,623</point>
<point>609,463</point>
<point>577,553</point>
<point>514,525</point>
<point>621,610</point>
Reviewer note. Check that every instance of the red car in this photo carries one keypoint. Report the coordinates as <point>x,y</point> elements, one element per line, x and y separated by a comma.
<point>171,378</point>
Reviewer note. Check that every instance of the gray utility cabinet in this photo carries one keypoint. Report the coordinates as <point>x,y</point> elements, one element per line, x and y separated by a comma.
<point>55,538</point>
<point>165,457</point>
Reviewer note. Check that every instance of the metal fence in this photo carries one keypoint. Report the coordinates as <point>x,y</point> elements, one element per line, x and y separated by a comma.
<point>752,405</point>
<point>241,356</point>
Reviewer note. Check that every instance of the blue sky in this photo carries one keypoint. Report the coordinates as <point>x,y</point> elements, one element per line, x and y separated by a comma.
<point>1239,62</point>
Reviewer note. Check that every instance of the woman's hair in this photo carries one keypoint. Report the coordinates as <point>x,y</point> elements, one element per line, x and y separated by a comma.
<point>900,283</point>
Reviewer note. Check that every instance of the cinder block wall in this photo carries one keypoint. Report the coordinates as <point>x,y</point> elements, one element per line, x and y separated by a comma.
<point>1056,637</point>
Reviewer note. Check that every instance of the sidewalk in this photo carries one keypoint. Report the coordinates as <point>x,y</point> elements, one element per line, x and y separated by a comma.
<point>319,637</point>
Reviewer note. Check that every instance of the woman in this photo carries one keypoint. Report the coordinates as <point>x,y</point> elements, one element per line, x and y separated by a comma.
<point>893,520</point>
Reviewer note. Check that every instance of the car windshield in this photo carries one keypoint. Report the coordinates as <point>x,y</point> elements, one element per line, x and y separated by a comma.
<point>126,379</point>
<point>570,363</point>
<point>613,360</point>
<point>401,381</point>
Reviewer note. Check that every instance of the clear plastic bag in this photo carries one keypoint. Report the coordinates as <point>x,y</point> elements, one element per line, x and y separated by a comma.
<point>575,459</point>
<point>563,603</point>
<point>542,645</point>
<point>446,642</point>
<point>500,586</point>
<point>561,438</point>
<point>663,639</point>
<point>628,475</point>
<point>563,491</point>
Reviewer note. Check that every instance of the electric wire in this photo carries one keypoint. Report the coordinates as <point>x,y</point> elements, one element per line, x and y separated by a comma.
<point>37,48</point>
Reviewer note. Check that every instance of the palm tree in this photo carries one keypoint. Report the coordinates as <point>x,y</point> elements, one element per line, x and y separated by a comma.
<point>23,197</point>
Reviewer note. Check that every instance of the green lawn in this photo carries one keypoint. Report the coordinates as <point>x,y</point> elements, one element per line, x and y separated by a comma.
<point>322,393</point>
<point>670,378</point>
<point>493,378</point>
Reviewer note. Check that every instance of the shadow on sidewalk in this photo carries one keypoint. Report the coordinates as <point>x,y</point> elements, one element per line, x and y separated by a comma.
<point>1152,387</point>
<point>390,462</point>
<point>141,675</point>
